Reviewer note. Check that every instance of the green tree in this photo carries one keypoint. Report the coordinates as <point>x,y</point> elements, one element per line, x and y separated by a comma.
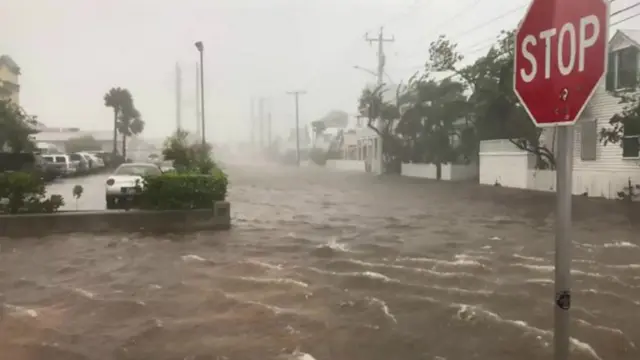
<point>187,156</point>
<point>432,120</point>
<point>496,112</point>
<point>82,143</point>
<point>375,108</point>
<point>16,127</point>
<point>117,99</point>
<point>625,121</point>
<point>129,123</point>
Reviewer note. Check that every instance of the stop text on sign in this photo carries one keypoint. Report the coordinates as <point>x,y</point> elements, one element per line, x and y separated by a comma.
<point>577,41</point>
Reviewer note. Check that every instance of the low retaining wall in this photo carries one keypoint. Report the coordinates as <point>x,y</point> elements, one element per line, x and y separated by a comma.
<point>35,225</point>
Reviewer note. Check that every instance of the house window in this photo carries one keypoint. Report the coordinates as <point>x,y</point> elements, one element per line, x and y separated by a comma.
<point>622,72</point>
<point>630,140</point>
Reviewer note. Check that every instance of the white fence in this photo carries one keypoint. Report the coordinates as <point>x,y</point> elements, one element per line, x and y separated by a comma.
<point>503,163</point>
<point>449,171</point>
<point>604,184</point>
<point>346,165</point>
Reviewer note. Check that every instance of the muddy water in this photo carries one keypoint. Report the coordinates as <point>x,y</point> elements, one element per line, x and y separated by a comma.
<point>329,266</point>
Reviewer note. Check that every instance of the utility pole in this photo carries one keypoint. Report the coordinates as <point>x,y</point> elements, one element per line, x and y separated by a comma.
<point>253,124</point>
<point>269,129</point>
<point>380,80</point>
<point>296,95</point>
<point>261,112</point>
<point>178,97</point>
<point>381,57</point>
<point>200,46</point>
<point>198,124</point>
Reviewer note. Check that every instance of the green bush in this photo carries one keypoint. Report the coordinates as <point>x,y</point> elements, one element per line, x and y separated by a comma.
<point>25,192</point>
<point>187,156</point>
<point>181,191</point>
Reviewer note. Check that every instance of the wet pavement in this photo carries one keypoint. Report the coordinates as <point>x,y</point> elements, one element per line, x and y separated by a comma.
<point>333,265</point>
<point>93,192</point>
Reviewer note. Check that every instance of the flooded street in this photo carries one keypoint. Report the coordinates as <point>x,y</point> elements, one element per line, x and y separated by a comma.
<point>336,266</point>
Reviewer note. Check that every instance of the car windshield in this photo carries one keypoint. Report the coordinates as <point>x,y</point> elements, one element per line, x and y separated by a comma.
<point>137,170</point>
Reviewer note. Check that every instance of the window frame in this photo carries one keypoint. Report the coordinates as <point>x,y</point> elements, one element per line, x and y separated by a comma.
<point>614,67</point>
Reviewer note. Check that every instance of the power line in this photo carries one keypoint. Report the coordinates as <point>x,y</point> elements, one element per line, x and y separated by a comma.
<point>625,9</point>
<point>478,46</point>
<point>409,11</point>
<point>490,21</point>
<point>625,19</point>
<point>481,25</point>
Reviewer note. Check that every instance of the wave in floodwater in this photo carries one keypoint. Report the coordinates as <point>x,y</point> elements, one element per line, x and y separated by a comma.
<point>293,281</point>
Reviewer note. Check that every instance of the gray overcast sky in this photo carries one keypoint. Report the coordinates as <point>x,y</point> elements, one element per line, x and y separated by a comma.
<point>72,51</point>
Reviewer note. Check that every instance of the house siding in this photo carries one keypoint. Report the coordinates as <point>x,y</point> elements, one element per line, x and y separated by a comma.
<point>600,109</point>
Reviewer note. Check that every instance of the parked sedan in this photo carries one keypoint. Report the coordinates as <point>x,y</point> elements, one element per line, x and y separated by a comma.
<point>125,184</point>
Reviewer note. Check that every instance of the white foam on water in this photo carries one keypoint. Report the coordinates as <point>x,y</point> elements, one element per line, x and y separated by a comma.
<point>84,293</point>
<point>468,312</point>
<point>529,258</point>
<point>286,281</point>
<point>624,266</point>
<point>620,244</point>
<point>194,258</point>
<point>460,260</point>
<point>264,264</point>
<point>384,307</point>
<point>333,244</point>
<point>608,293</point>
<point>551,268</point>
<point>367,274</point>
<point>606,329</point>
<point>411,269</point>
<point>21,311</point>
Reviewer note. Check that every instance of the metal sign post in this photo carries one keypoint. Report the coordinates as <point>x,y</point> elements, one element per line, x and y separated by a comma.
<point>561,56</point>
<point>564,174</point>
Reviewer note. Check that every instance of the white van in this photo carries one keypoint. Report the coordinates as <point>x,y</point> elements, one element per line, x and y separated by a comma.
<point>63,162</point>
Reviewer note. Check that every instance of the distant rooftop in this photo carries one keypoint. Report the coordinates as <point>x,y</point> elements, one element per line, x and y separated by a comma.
<point>633,35</point>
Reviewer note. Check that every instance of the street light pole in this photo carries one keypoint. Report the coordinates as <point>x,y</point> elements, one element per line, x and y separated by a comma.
<point>200,48</point>
<point>296,95</point>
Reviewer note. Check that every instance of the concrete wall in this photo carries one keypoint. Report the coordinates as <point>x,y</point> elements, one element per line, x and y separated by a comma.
<point>219,217</point>
<point>452,172</point>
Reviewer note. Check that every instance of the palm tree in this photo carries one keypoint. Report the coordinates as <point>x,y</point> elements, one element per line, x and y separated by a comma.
<point>117,98</point>
<point>129,123</point>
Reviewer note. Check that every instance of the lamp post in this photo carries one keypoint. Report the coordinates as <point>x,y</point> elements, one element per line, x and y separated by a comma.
<point>200,48</point>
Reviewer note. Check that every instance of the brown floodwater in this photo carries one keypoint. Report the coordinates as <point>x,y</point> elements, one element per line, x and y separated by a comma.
<point>330,266</point>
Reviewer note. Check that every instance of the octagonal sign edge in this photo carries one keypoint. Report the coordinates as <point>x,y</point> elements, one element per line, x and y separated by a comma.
<point>553,78</point>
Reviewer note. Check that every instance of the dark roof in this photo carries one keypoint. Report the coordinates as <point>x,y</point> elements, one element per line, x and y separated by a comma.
<point>8,62</point>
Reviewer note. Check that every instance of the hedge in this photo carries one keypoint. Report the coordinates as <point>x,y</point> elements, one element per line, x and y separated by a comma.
<point>181,191</point>
<point>25,192</point>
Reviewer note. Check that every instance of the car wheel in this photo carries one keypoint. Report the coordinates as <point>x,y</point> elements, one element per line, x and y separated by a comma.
<point>111,202</point>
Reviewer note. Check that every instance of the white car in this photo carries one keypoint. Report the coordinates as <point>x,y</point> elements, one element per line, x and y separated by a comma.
<point>124,185</point>
<point>96,162</point>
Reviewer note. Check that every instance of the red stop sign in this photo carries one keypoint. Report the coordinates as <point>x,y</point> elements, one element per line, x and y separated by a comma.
<point>561,55</point>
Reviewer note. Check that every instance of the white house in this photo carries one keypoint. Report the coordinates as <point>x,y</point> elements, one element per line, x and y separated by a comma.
<point>599,170</point>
